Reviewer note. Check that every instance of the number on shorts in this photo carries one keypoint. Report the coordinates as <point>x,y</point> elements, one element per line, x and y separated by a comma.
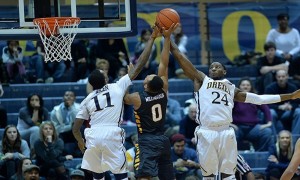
<point>108,102</point>
<point>156,112</point>
<point>218,100</point>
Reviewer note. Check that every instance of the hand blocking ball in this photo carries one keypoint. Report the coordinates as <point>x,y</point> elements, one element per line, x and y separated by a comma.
<point>166,17</point>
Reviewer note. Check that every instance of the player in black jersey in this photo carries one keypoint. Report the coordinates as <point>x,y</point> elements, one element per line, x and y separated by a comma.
<point>153,156</point>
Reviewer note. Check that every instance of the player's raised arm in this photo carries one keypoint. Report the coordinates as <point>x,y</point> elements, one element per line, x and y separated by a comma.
<point>144,57</point>
<point>165,55</point>
<point>189,70</point>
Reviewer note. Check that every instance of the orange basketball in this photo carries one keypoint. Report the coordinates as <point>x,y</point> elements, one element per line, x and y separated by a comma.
<point>166,17</point>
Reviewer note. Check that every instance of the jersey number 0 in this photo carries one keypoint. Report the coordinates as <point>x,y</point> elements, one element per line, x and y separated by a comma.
<point>156,112</point>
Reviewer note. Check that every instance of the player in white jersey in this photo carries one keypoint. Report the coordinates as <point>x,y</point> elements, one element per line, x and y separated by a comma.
<point>104,107</point>
<point>216,142</point>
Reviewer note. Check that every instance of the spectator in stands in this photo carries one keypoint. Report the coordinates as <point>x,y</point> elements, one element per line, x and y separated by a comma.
<point>188,125</point>
<point>49,152</point>
<point>32,172</point>
<point>30,117</point>
<point>185,161</point>
<point>246,123</point>
<point>77,174</point>
<point>115,52</point>
<point>79,51</point>
<point>268,65</point>
<point>104,65</point>
<point>280,155</point>
<point>12,56</point>
<point>3,114</point>
<point>63,116</point>
<point>23,164</point>
<point>151,65</point>
<point>293,165</point>
<point>13,148</point>
<point>286,115</point>
<point>173,115</point>
<point>287,40</point>
<point>53,70</point>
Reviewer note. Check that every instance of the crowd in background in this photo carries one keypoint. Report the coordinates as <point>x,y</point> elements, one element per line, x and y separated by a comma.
<point>43,136</point>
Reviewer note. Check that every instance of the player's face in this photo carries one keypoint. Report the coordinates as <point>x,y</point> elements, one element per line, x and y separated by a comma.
<point>12,134</point>
<point>245,86</point>
<point>216,71</point>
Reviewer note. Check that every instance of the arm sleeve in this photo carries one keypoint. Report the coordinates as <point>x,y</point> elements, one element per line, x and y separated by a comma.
<point>261,99</point>
<point>25,149</point>
<point>296,49</point>
<point>124,82</point>
<point>5,56</point>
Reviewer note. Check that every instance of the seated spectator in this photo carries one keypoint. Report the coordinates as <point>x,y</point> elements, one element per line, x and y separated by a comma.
<point>246,123</point>
<point>63,116</point>
<point>286,38</point>
<point>80,55</point>
<point>13,148</point>
<point>23,164</point>
<point>280,155</point>
<point>49,152</point>
<point>173,114</point>
<point>185,161</point>
<point>293,165</point>
<point>151,65</point>
<point>77,175</point>
<point>3,113</point>
<point>12,56</point>
<point>32,172</point>
<point>52,70</point>
<point>115,52</point>
<point>188,125</point>
<point>30,118</point>
<point>268,65</point>
<point>286,114</point>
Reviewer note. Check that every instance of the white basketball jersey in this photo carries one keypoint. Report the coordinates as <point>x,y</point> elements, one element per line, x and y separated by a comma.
<point>215,102</point>
<point>105,106</point>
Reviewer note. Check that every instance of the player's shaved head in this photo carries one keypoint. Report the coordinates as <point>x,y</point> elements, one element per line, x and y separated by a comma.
<point>155,84</point>
<point>97,79</point>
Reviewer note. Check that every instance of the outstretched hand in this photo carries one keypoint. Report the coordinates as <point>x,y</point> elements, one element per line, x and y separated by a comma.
<point>130,67</point>
<point>156,31</point>
<point>168,32</point>
<point>296,94</point>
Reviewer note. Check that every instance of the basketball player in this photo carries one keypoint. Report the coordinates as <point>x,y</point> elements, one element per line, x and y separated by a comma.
<point>294,164</point>
<point>216,142</point>
<point>153,153</point>
<point>104,107</point>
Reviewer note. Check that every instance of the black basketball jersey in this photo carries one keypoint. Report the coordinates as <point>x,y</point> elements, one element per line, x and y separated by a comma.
<point>150,117</point>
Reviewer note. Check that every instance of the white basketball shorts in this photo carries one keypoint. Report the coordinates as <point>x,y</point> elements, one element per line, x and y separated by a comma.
<point>217,150</point>
<point>105,150</point>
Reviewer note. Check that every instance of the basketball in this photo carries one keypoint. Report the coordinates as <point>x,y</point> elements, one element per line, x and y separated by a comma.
<point>166,17</point>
